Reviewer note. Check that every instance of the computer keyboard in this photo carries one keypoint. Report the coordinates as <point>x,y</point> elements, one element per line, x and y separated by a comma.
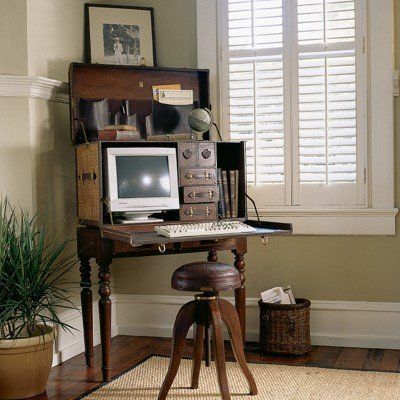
<point>203,229</point>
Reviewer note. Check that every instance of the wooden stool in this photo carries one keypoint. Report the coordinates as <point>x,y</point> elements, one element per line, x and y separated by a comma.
<point>207,309</point>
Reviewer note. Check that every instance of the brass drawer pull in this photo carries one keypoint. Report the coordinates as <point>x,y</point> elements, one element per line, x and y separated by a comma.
<point>193,194</point>
<point>190,176</point>
<point>191,213</point>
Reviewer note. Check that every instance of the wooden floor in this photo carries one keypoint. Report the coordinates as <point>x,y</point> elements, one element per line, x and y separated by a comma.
<point>72,379</point>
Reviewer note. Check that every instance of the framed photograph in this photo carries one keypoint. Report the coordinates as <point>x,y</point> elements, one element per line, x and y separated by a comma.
<point>122,35</point>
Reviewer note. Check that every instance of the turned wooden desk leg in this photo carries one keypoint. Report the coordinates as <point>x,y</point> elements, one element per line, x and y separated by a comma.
<point>87,309</point>
<point>212,257</point>
<point>105,319</point>
<point>240,293</point>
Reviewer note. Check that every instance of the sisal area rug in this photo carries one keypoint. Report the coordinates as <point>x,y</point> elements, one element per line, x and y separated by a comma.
<point>275,382</point>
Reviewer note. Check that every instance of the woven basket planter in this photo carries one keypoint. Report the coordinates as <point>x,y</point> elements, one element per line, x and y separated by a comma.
<point>285,328</point>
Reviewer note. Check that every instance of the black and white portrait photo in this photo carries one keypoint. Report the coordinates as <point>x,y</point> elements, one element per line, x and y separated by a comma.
<point>121,44</point>
<point>121,35</point>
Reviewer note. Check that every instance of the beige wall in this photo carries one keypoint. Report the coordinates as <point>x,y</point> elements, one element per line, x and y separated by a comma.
<point>55,33</point>
<point>175,30</point>
<point>15,154</point>
<point>55,36</point>
<point>13,27</point>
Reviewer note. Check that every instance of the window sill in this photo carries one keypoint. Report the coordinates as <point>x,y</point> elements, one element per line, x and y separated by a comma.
<point>366,221</point>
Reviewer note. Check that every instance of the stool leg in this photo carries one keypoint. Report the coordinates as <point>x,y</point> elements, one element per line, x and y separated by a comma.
<point>219,350</point>
<point>231,319</point>
<point>213,257</point>
<point>184,320</point>
<point>198,345</point>
<point>207,345</point>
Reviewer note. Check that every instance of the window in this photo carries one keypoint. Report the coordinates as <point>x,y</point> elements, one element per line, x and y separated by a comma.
<point>350,188</point>
<point>294,85</point>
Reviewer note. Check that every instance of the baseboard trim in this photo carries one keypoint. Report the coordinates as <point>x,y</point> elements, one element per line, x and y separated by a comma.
<point>333,323</point>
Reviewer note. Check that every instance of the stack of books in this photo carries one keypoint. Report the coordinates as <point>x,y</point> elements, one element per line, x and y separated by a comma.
<point>119,132</point>
<point>228,186</point>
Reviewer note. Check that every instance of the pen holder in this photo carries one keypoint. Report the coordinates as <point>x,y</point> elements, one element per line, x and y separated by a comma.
<point>285,328</point>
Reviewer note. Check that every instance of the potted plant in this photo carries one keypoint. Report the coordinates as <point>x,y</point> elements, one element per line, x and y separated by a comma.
<point>33,267</point>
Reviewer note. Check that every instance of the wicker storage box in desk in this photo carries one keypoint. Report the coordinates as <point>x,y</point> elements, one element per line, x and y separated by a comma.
<point>285,328</point>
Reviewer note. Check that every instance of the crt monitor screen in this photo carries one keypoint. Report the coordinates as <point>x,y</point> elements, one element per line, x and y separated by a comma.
<point>143,176</point>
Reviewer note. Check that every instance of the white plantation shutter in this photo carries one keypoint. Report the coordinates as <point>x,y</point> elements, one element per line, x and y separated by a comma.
<point>330,105</point>
<point>255,90</point>
<point>294,89</point>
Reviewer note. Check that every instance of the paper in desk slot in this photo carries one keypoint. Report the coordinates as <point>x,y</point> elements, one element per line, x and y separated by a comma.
<point>157,88</point>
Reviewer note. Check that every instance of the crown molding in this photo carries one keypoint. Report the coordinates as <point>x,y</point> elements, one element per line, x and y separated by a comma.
<point>35,87</point>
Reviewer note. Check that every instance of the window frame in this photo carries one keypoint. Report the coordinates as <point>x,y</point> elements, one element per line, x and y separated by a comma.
<point>377,215</point>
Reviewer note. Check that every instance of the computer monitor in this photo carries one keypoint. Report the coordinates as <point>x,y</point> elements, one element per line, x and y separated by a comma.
<point>141,181</point>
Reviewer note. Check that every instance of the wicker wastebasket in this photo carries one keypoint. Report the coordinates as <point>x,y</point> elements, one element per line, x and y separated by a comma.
<point>285,328</point>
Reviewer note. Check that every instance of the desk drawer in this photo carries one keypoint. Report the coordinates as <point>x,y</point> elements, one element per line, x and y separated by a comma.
<point>187,154</point>
<point>198,176</point>
<point>207,154</point>
<point>219,243</point>
<point>198,212</point>
<point>125,248</point>
<point>200,194</point>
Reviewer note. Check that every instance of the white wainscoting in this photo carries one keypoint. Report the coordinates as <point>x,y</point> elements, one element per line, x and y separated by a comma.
<point>333,323</point>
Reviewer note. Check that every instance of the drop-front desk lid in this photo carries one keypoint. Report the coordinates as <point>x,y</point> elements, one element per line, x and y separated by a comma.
<point>136,237</point>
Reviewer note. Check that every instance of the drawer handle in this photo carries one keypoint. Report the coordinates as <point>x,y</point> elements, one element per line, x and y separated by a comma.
<point>193,194</point>
<point>206,153</point>
<point>190,212</point>
<point>187,153</point>
<point>190,176</point>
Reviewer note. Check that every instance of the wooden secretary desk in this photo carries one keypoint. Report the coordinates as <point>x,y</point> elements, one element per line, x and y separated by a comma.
<point>98,237</point>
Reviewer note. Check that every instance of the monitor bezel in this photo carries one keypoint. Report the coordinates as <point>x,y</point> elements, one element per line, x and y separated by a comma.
<point>141,204</point>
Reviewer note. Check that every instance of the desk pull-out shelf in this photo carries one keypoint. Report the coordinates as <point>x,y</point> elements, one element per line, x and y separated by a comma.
<point>130,234</point>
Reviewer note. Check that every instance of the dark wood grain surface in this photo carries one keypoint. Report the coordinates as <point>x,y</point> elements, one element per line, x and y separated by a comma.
<point>72,379</point>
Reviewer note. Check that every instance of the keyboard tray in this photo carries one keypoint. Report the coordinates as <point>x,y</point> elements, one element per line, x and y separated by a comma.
<point>131,235</point>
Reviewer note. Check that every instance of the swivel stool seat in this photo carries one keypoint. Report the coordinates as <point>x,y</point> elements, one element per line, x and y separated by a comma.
<point>207,309</point>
